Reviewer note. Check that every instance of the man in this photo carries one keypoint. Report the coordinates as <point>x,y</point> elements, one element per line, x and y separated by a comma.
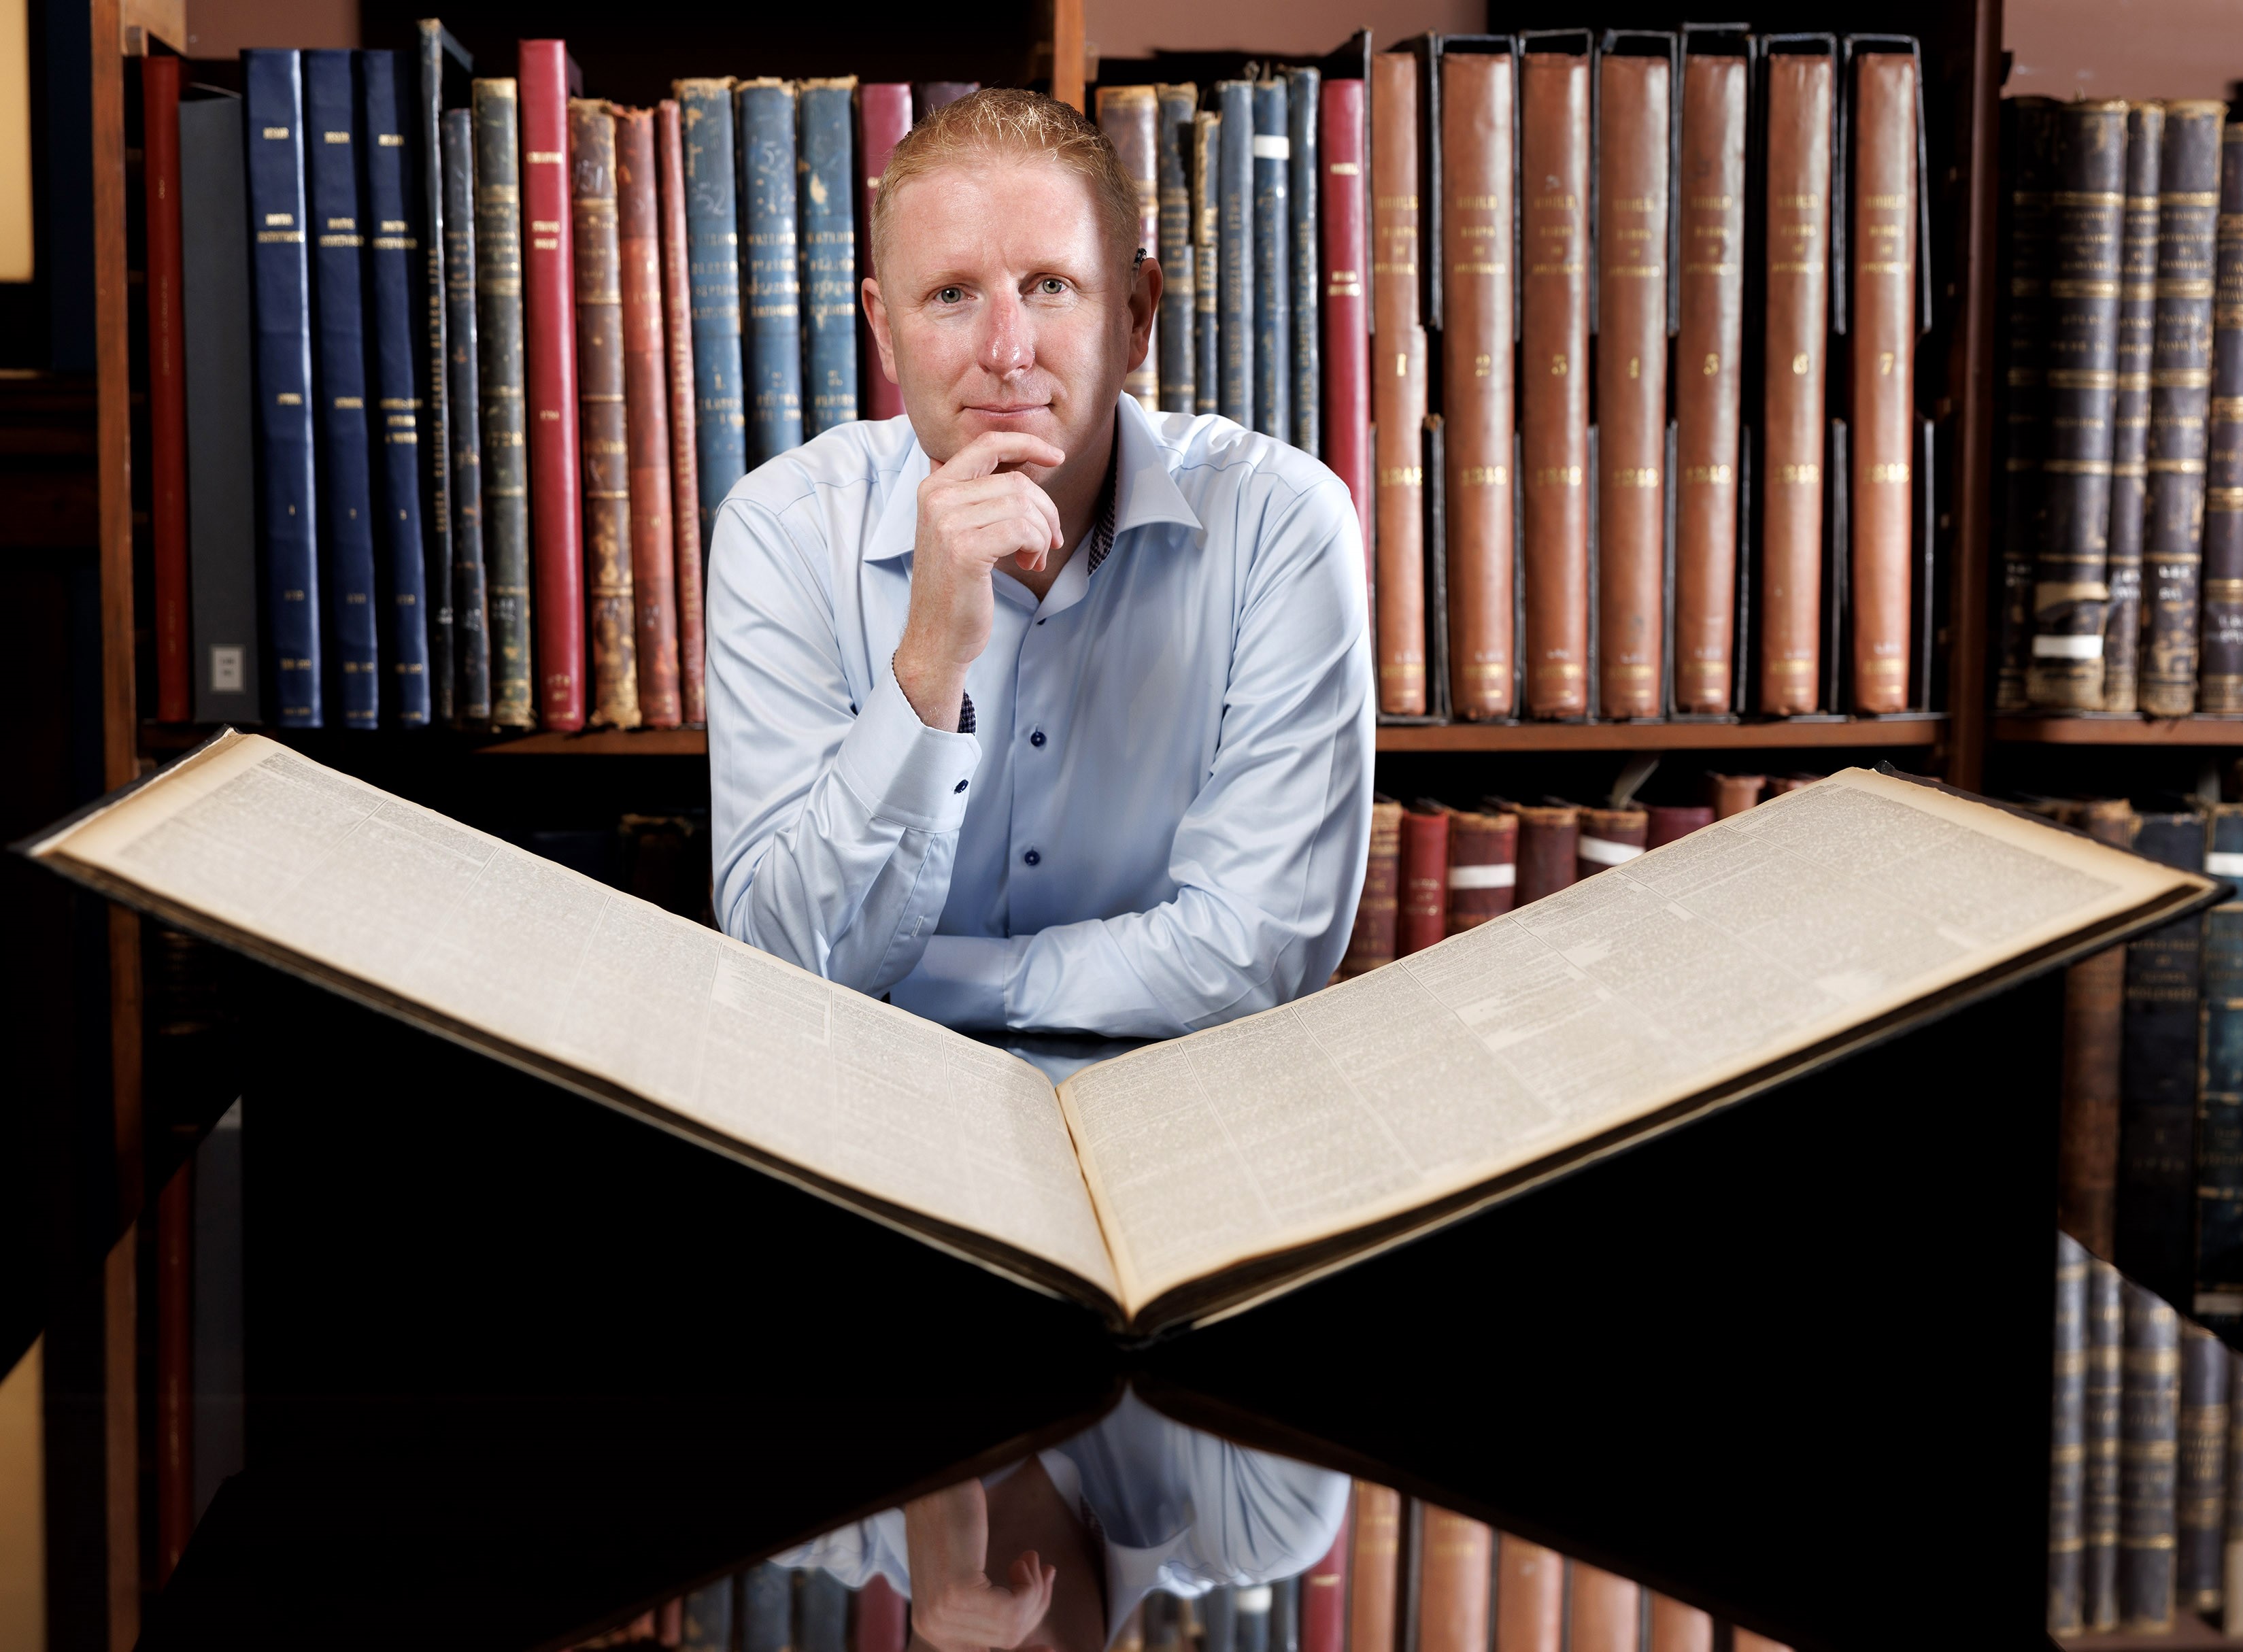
<point>1033,710</point>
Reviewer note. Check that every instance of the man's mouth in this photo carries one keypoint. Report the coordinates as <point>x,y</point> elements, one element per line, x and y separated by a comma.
<point>1009,410</point>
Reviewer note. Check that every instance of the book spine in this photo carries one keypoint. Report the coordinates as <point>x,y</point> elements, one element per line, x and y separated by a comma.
<point>931,94</point>
<point>829,256</point>
<point>2148,1449</point>
<point>1273,261</point>
<point>167,393</point>
<point>603,442</point>
<point>1375,1568</point>
<point>2029,140</point>
<point>2231,1580</point>
<point>1553,400</point>
<point>712,233</point>
<point>1477,381</point>
<point>1482,868</point>
<point>1424,882</point>
<point>883,116</point>
<point>770,280</point>
<point>1609,838</point>
<point>1250,1607</point>
<point>1631,239</point>
<point>711,1616</point>
<point>1708,381</point>
<point>882,1622</point>
<point>1399,388</point>
<point>397,338</point>
<point>220,354</point>
<point>1530,1597</point>
<point>1179,111</point>
<point>1792,423</point>
<point>1882,436</point>
<point>1303,93</point>
<point>1207,237</point>
<point>767,1609</point>
<point>2087,1128</point>
<point>1455,1570</point>
<point>2067,1442</point>
<point>821,1611</point>
<point>505,421</point>
<point>1235,250</point>
<point>1672,1627</point>
<point>548,315</point>
<point>2219,1080</point>
<point>2219,673</point>
<point>1602,1611</point>
<point>1130,117</point>
<point>1218,1617</point>
<point>684,475</point>
<point>2106,1325</point>
<point>2199,1492</point>
<point>2130,446</point>
<point>1372,941</point>
<point>2081,384</point>
<point>1346,316</point>
<point>1735,793</point>
<point>1285,1615</point>
<point>1549,850</point>
<point>446,642</point>
<point>1667,822</point>
<point>1324,1598</point>
<point>646,407</point>
<point>2154,1240</point>
<point>470,599</point>
<point>2180,394</point>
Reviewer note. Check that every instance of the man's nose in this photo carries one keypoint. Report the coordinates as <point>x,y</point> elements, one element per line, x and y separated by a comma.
<point>1009,345</point>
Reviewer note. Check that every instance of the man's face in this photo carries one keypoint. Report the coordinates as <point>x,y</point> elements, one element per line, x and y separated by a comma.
<point>1003,304</point>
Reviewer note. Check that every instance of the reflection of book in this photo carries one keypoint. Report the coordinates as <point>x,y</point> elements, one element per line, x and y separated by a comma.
<point>1814,926</point>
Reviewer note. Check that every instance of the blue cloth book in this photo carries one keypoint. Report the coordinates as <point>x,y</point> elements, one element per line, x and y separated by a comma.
<point>763,112</point>
<point>2219,1094</point>
<point>1273,263</point>
<point>1234,284</point>
<point>330,134</point>
<point>712,253</point>
<point>396,333</point>
<point>1304,96</point>
<point>281,297</point>
<point>829,253</point>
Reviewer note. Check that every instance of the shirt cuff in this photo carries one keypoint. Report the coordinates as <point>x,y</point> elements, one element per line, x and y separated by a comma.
<point>901,770</point>
<point>960,981</point>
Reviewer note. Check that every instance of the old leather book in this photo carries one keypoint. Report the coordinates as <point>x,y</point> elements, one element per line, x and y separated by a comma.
<point>2081,377</point>
<point>2067,1460</point>
<point>2200,1489</point>
<point>548,305</point>
<point>1173,349</point>
<point>1130,117</point>
<point>1631,252</point>
<point>1603,1611</point>
<point>1372,941</point>
<point>2155,1228</point>
<point>1235,250</point>
<point>1398,387</point>
<point>1882,358</point>
<point>601,432</point>
<point>2219,667</point>
<point>765,117</point>
<point>166,392</point>
<point>1323,1592</point>
<point>1671,820</point>
<point>1207,236</point>
<point>1530,1597</point>
<point>1304,117</point>
<point>686,527</point>
<point>1709,380</point>
<point>448,643</point>
<point>1677,1628</point>
<point>1273,260</point>
<point>1554,90</point>
<point>646,406</point>
<point>2030,136</point>
<point>505,432</point>
<point>2232,1603</point>
<point>1549,849</point>
<point>1345,229</point>
<point>713,225</point>
<point>884,115</point>
<point>1376,1567</point>
<point>1792,422</point>
<point>1424,893</point>
<point>2219,1085</point>
<point>1477,168</point>
<point>1455,1556</point>
<point>471,703</point>
<point>2180,394</point>
<point>2130,422</point>
<point>1482,867</point>
<point>2094,1008</point>
<point>1609,838</point>
<point>827,241</point>
<point>1733,793</point>
<point>2106,1322</point>
<point>2149,1424</point>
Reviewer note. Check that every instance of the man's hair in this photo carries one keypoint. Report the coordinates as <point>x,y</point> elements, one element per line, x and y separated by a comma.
<point>1003,124</point>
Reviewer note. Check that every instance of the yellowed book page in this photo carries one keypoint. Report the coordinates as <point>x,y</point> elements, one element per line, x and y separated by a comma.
<point>335,871</point>
<point>1653,980</point>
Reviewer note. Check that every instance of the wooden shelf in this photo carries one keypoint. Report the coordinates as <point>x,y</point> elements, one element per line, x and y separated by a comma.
<point>1857,733</point>
<point>2120,731</point>
<point>2188,1630</point>
<point>605,743</point>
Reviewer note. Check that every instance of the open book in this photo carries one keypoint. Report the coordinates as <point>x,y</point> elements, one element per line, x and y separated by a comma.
<point>1190,1178</point>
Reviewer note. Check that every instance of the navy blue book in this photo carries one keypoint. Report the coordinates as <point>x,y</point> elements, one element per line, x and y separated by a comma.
<point>437,52</point>
<point>767,1616</point>
<point>712,255</point>
<point>821,1614</point>
<point>1273,263</point>
<point>1304,88</point>
<point>396,332</point>
<point>829,253</point>
<point>2156,1223</point>
<point>771,281</point>
<point>340,380</point>
<point>281,300</point>
<point>1235,284</point>
<point>463,385</point>
<point>2220,1095</point>
<point>1178,107</point>
<point>1218,1608</point>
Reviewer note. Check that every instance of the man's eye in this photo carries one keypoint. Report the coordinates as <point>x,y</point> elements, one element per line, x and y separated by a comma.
<point>950,295</point>
<point>1051,287</point>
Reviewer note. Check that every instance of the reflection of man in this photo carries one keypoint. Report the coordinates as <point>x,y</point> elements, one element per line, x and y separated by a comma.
<point>1034,710</point>
<point>1056,1551</point>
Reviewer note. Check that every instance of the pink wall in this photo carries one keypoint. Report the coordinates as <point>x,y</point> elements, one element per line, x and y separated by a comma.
<point>2124,48</point>
<point>1137,27</point>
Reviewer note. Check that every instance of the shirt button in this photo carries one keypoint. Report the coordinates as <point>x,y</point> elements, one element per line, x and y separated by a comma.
<point>960,787</point>
<point>1034,857</point>
<point>1037,739</point>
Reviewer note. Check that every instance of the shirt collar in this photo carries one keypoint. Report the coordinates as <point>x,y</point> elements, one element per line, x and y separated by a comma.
<point>1144,491</point>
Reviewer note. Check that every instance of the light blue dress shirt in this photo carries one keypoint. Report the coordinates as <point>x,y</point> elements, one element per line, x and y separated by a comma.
<point>1160,821</point>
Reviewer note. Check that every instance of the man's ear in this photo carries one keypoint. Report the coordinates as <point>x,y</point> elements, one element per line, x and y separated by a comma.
<point>1144,304</point>
<point>876,313</point>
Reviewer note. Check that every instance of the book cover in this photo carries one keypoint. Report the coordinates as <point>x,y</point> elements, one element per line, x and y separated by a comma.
<point>764,118</point>
<point>821,1612</point>
<point>680,333</point>
<point>2067,1440</point>
<point>767,1609</point>
<point>2218,1176</point>
<point>2106,1328</point>
<point>1345,223</point>
<point>450,643</point>
<point>464,386</point>
<point>2155,1231</point>
<point>646,406</point>
<point>2149,1444</point>
<point>1374,1569</point>
<point>1672,1627</point>
<point>603,440</point>
<point>2219,666</point>
<point>1665,822</point>
<point>2130,446</point>
<point>1549,849</point>
<point>1609,838</point>
<point>1398,390</point>
<point>2094,1015</point>
<point>1423,916</point>
<point>2030,139</point>
<point>715,260</point>
<point>1304,95</point>
<point>1482,867</point>
<point>1273,261</point>
<point>884,115</point>
<point>167,391</point>
<point>1603,1611</point>
<point>882,1621</point>
<point>1455,1568</point>
<point>1235,277</point>
<point>2200,1483</point>
<point>828,242</point>
<point>1177,348</point>
<point>498,330</point>
<point>1372,943</point>
<point>1130,117</point>
<point>1207,232</point>
<point>1530,1597</point>
<point>1324,1597</point>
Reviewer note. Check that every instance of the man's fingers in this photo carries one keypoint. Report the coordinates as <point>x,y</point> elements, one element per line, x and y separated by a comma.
<point>981,457</point>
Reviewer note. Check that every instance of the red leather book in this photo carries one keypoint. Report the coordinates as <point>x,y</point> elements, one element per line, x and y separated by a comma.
<point>1530,1597</point>
<point>548,307</point>
<point>684,472</point>
<point>1549,850</point>
<point>600,438</point>
<point>1482,867</point>
<point>1672,820</point>
<point>1677,1628</point>
<point>646,402</point>
<point>1372,941</point>
<point>167,387</point>
<point>881,1610</point>
<point>1884,354</point>
<point>1324,1598</point>
<point>1454,1570</point>
<point>1735,793</point>
<point>1605,1612</point>
<point>884,115</point>
<point>1371,1617</point>
<point>1610,837</point>
<point>1746,1641</point>
<point>1399,390</point>
<point>1347,317</point>
<point>1422,917</point>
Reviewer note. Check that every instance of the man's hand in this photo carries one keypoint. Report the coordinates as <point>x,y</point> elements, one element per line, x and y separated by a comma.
<point>955,1607</point>
<point>972,515</point>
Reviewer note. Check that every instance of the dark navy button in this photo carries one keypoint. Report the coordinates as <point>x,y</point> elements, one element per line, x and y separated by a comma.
<point>960,787</point>
<point>1034,857</point>
<point>1044,620</point>
<point>1037,739</point>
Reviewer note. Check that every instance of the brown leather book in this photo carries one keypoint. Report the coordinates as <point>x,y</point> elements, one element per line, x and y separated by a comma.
<point>1371,1601</point>
<point>1709,380</point>
<point>1880,536</point>
<point>684,470</point>
<point>1779,783</point>
<point>2030,137</point>
<point>1549,849</point>
<point>1553,356</point>
<point>1609,838</point>
<point>1672,820</point>
<point>1605,1611</point>
<point>1746,1641</point>
<point>1422,917</point>
<point>603,442</point>
<point>1733,793</point>
<point>1482,867</point>
<point>2130,417</point>
<point>2094,1016</point>
<point>1129,116</point>
<point>1632,186</point>
<point>1372,943</point>
<point>1477,381</point>
<point>1530,1597</point>
<point>1454,1571</point>
<point>646,408</point>
<point>1397,387</point>
<point>1677,1628</point>
<point>1793,421</point>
